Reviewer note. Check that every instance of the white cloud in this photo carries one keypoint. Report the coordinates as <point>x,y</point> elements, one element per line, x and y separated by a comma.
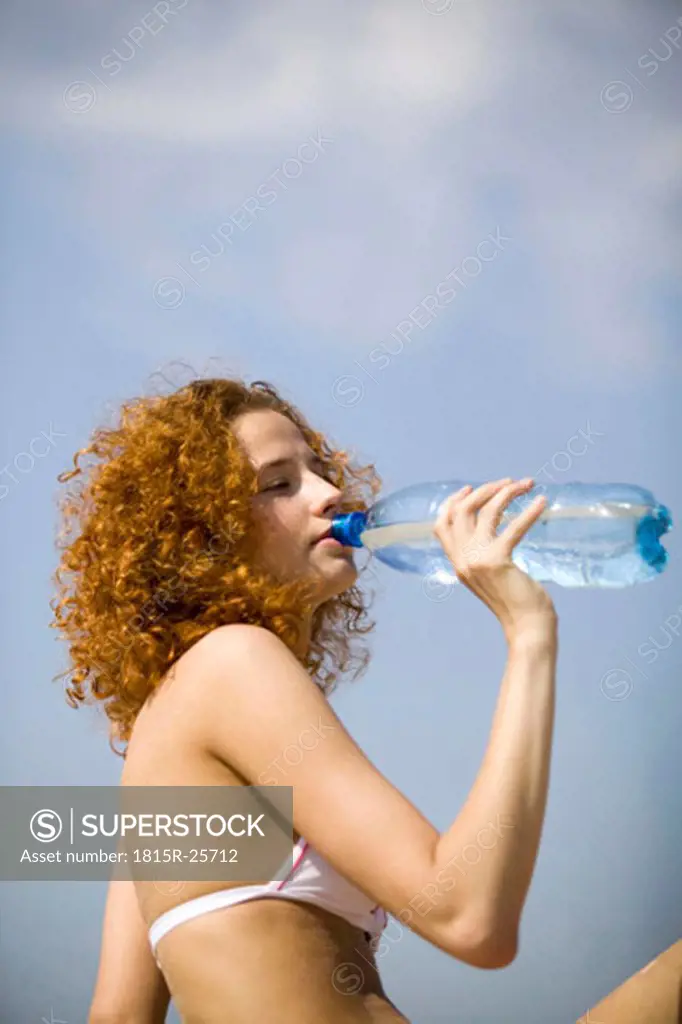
<point>443,127</point>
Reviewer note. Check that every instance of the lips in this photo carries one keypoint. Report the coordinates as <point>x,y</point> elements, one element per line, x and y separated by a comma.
<point>327,540</point>
<point>330,540</point>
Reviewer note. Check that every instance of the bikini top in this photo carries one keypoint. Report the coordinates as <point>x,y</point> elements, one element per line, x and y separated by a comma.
<point>311,879</point>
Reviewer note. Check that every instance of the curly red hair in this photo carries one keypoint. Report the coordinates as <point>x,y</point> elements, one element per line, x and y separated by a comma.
<point>164,548</point>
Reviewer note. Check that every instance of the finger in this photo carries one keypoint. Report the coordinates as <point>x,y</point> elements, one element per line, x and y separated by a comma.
<point>444,510</point>
<point>478,498</point>
<point>523,522</point>
<point>451,498</point>
<point>491,516</point>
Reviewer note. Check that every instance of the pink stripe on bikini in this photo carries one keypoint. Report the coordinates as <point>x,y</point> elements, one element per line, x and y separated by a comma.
<point>298,860</point>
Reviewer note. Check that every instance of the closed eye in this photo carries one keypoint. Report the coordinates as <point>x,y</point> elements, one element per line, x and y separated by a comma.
<point>318,467</point>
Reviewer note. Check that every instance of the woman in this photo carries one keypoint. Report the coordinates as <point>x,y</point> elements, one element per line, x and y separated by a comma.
<point>208,613</point>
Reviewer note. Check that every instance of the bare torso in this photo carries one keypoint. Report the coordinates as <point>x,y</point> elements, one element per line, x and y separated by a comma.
<point>267,960</point>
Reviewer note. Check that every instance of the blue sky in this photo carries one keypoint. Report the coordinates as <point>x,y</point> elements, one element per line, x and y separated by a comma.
<point>396,139</point>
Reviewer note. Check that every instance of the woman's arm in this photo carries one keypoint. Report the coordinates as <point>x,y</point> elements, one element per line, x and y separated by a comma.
<point>130,988</point>
<point>255,700</point>
<point>502,819</point>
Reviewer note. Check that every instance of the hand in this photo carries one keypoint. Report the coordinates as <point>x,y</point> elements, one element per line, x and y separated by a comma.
<point>467,526</point>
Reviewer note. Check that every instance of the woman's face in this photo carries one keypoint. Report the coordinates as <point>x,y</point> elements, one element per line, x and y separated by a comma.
<point>295,504</point>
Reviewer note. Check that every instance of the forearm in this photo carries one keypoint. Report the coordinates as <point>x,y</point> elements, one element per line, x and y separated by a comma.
<point>491,848</point>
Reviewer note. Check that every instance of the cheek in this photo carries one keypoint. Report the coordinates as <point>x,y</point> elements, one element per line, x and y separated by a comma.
<point>276,528</point>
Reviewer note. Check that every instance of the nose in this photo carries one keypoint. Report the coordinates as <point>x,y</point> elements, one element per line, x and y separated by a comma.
<point>328,504</point>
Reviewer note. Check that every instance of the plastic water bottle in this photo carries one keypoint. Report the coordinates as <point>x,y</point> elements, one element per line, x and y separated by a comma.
<point>589,535</point>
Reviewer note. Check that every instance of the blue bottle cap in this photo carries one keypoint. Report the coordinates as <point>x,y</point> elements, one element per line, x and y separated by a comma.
<point>649,532</point>
<point>347,528</point>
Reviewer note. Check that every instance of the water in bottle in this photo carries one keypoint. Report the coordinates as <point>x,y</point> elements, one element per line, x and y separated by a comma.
<point>588,535</point>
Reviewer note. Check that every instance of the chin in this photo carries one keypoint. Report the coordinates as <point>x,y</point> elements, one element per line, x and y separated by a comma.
<point>338,574</point>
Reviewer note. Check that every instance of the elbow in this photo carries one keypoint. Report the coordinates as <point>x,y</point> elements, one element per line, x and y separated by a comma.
<point>488,948</point>
<point>499,950</point>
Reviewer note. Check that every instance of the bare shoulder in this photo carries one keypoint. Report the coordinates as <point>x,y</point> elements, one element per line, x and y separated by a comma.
<point>241,660</point>
<point>207,654</point>
<point>237,637</point>
<point>207,659</point>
